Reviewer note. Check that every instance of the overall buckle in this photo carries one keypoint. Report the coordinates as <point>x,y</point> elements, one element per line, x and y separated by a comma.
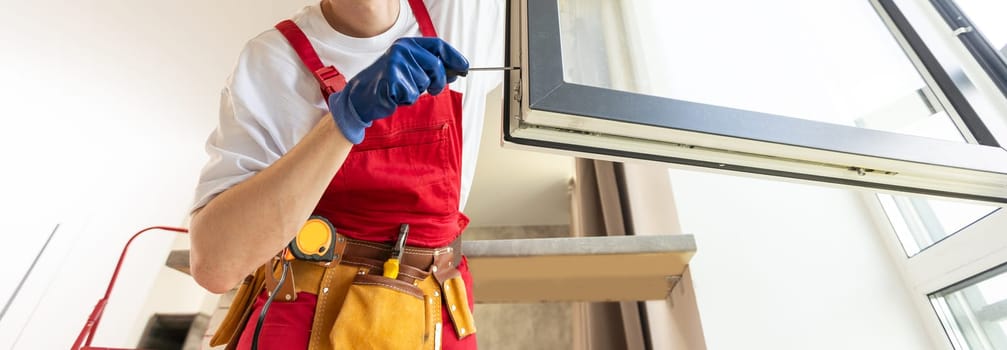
<point>330,79</point>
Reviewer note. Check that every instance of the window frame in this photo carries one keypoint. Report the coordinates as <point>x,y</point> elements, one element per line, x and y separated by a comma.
<point>546,112</point>
<point>949,304</point>
<point>977,251</point>
<point>974,41</point>
<point>952,261</point>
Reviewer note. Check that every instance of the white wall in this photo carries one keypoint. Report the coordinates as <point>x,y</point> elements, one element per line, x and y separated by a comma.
<point>791,266</point>
<point>105,107</point>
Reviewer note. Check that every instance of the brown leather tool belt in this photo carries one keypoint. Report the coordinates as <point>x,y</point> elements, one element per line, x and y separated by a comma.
<point>416,264</point>
<point>356,260</point>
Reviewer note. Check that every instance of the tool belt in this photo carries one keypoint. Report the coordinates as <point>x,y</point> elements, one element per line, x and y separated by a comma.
<point>358,306</point>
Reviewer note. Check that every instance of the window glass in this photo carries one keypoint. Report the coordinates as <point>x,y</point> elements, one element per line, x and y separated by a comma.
<point>920,222</point>
<point>831,61</point>
<point>974,314</point>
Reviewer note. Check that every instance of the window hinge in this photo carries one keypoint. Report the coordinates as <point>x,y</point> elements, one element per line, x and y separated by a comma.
<point>516,90</point>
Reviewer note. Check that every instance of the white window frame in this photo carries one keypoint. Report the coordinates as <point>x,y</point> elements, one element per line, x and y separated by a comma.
<point>545,112</point>
<point>973,250</point>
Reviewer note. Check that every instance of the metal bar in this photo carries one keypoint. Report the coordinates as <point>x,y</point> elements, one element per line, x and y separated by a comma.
<point>479,69</point>
<point>31,268</point>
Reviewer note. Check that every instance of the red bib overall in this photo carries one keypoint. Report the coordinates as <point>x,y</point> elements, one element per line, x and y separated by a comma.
<point>406,171</point>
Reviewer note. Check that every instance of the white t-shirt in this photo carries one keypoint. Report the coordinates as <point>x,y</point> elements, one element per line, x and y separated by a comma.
<point>271,101</point>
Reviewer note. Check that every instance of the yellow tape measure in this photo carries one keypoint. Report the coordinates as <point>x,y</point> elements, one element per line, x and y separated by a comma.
<point>315,241</point>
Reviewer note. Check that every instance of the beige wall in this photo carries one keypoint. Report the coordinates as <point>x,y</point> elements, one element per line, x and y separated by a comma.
<point>517,187</point>
<point>674,323</point>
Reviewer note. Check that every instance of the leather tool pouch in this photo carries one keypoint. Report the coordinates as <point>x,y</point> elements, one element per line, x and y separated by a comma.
<point>383,313</point>
<point>241,307</point>
<point>288,290</point>
<point>456,297</point>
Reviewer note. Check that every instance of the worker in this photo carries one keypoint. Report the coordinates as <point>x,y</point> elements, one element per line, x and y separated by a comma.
<point>348,118</point>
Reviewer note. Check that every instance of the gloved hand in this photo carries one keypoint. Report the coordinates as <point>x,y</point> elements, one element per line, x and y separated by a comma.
<point>410,67</point>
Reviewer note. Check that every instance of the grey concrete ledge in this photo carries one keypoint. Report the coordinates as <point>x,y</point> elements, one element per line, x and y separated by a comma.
<point>579,246</point>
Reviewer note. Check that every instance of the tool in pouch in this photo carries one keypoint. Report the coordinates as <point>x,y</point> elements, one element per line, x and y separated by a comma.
<point>391,268</point>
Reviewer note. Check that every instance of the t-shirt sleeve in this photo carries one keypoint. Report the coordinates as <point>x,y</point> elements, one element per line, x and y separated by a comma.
<point>266,85</point>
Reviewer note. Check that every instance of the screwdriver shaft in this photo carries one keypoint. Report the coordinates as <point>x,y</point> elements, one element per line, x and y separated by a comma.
<point>477,69</point>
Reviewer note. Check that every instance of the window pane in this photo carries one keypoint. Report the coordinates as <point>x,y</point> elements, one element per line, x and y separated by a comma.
<point>831,61</point>
<point>921,222</point>
<point>975,313</point>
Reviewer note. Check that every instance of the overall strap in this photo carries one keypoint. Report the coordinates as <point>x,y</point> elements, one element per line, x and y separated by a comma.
<point>329,78</point>
<point>423,18</point>
<point>301,45</point>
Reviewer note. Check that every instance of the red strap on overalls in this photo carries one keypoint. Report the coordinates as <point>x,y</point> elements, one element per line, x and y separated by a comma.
<point>423,18</point>
<point>329,78</point>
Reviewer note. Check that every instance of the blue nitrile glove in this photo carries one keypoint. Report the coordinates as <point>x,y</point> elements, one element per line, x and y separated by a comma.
<point>410,67</point>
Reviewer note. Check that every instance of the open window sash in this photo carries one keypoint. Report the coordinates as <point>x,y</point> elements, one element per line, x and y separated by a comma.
<point>546,111</point>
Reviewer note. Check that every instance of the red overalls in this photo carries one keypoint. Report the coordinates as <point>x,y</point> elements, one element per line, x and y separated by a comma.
<point>406,171</point>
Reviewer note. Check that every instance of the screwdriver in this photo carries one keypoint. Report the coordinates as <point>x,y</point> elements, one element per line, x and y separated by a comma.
<point>478,69</point>
<point>451,73</point>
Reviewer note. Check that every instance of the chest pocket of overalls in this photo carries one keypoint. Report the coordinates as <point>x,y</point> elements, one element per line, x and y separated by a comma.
<point>403,163</point>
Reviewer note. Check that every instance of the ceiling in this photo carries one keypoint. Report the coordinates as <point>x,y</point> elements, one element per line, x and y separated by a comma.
<point>515,187</point>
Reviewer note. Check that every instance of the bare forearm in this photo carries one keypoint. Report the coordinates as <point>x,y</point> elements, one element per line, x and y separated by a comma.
<point>246,225</point>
